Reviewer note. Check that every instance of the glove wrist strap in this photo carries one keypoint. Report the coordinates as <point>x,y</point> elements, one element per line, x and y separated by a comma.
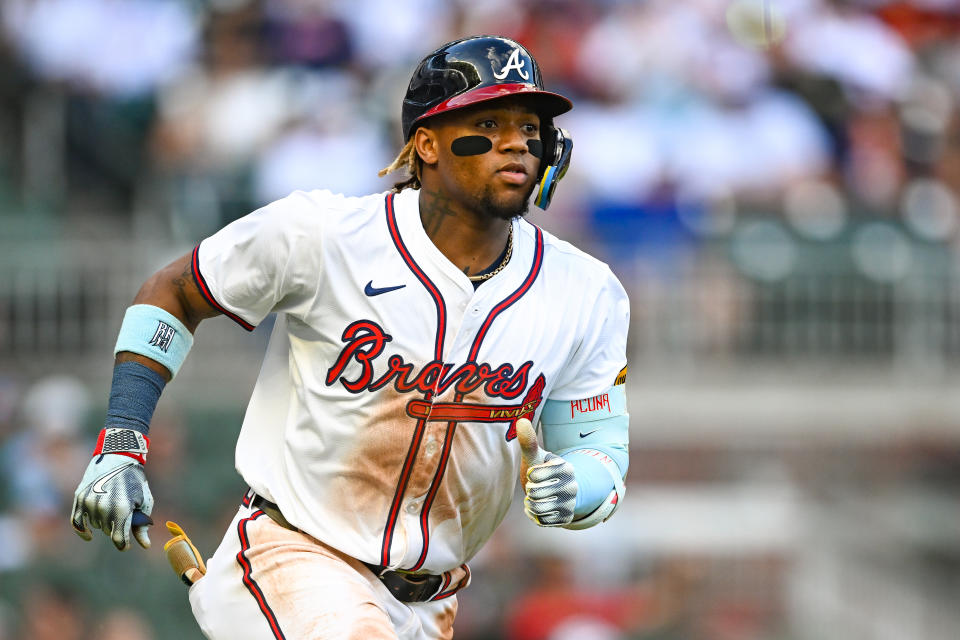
<point>125,442</point>
<point>611,502</point>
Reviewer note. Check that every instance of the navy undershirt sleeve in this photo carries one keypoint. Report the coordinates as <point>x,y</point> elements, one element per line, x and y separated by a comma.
<point>134,395</point>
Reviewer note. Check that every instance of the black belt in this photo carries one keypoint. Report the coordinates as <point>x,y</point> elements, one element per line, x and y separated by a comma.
<point>272,510</point>
<point>405,587</point>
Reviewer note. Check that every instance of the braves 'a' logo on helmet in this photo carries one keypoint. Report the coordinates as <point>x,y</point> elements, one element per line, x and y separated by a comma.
<point>513,62</point>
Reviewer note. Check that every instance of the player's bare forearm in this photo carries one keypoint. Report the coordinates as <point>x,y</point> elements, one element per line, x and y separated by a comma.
<point>173,289</point>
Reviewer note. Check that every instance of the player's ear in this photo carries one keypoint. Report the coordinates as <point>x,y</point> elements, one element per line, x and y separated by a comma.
<point>426,143</point>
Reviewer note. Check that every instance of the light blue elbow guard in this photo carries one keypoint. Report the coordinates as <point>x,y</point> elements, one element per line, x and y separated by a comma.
<point>587,432</point>
<point>155,333</point>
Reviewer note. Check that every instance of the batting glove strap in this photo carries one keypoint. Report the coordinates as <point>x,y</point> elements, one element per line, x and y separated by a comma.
<point>611,502</point>
<point>551,492</point>
<point>125,442</point>
<point>598,515</point>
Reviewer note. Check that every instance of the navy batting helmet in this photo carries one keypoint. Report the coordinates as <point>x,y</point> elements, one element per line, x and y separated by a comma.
<point>472,70</point>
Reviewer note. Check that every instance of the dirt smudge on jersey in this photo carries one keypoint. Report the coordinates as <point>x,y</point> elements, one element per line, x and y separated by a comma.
<point>444,619</point>
<point>371,471</point>
<point>478,483</point>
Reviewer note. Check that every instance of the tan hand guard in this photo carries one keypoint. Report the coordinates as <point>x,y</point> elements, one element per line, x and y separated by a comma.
<point>186,561</point>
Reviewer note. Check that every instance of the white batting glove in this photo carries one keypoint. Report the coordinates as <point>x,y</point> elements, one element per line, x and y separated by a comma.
<point>113,488</point>
<point>549,482</point>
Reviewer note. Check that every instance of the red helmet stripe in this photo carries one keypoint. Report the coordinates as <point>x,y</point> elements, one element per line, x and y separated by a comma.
<point>489,92</point>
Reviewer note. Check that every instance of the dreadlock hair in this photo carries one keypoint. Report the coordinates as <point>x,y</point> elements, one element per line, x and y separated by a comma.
<point>408,160</point>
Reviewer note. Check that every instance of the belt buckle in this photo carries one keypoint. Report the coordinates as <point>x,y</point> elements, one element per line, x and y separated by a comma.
<point>414,585</point>
<point>420,582</point>
<point>378,570</point>
<point>436,591</point>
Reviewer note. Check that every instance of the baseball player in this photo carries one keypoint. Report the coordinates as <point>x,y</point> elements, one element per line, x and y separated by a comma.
<point>419,336</point>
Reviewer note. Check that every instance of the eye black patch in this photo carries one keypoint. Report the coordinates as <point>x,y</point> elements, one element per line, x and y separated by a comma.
<point>536,148</point>
<point>471,145</point>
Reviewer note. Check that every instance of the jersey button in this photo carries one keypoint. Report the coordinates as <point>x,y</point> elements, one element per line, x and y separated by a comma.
<point>413,507</point>
<point>431,448</point>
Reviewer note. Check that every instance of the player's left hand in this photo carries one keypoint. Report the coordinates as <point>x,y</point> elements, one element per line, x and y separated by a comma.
<point>113,493</point>
<point>549,481</point>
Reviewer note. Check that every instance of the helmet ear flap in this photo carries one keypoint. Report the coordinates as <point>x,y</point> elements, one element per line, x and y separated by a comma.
<point>557,149</point>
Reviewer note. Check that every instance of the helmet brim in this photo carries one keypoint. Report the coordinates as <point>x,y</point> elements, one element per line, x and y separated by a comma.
<point>548,104</point>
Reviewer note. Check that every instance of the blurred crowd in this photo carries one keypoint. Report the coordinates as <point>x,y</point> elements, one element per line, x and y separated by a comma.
<point>691,118</point>
<point>54,586</point>
<point>687,114</point>
<point>50,586</point>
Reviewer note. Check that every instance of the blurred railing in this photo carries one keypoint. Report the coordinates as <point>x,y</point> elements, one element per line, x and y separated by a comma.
<point>896,303</point>
<point>61,304</point>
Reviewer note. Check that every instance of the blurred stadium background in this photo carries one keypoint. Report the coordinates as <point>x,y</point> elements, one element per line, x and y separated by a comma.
<point>775,182</point>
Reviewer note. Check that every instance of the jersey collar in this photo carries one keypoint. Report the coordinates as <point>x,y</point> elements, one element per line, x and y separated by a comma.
<point>407,209</point>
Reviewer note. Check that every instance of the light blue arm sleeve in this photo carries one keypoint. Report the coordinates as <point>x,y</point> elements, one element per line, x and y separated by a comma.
<point>594,483</point>
<point>593,435</point>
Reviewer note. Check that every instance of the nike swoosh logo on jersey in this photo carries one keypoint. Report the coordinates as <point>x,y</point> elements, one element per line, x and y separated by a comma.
<point>370,290</point>
<point>584,435</point>
<point>98,485</point>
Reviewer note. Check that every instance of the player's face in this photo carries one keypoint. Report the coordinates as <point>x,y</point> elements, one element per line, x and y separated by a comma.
<point>497,181</point>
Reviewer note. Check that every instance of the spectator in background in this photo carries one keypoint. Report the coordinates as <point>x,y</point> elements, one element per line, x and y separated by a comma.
<point>52,613</point>
<point>124,624</point>
<point>557,608</point>
<point>111,48</point>
<point>329,142</point>
<point>400,31</point>
<point>101,61</point>
<point>38,461</point>
<point>704,123</point>
<point>306,33</point>
<point>842,40</point>
<point>215,120</point>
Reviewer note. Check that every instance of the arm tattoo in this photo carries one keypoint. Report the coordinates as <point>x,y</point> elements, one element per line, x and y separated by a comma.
<point>184,284</point>
<point>434,207</point>
<point>184,280</point>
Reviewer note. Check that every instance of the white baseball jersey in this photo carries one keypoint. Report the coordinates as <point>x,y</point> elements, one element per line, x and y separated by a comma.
<point>382,421</point>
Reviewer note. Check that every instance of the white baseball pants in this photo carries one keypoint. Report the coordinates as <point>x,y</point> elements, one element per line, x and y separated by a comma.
<point>271,583</point>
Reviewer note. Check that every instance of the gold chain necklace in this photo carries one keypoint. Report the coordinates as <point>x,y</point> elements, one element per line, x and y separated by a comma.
<point>503,263</point>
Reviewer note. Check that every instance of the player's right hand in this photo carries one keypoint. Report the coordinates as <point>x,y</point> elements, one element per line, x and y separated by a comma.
<point>549,481</point>
<point>113,488</point>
